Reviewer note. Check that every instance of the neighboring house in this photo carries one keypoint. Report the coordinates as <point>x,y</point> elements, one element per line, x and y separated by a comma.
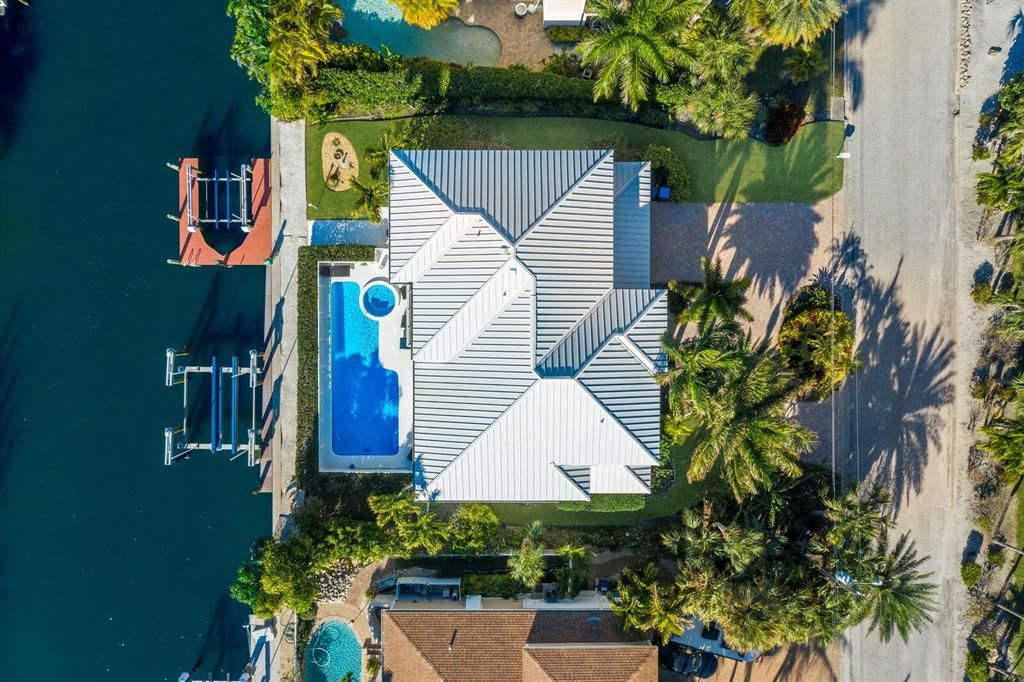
<point>513,646</point>
<point>535,333</point>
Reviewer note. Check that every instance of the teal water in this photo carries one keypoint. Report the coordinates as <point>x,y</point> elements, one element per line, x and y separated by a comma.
<point>378,22</point>
<point>333,651</point>
<point>113,567</point>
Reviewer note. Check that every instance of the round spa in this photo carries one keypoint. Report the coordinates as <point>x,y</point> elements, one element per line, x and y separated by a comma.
<point>379,299</point>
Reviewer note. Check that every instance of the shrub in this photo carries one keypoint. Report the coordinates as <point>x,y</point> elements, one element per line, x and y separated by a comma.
<point>976,669</point>
<point>499,585</point>
<point>783,122</point>
<point>970,573</point>
<point>981,293</point>
<point>607,503</point>
<point>996,557</point>
<point>568,34</point>
<point>564,63</point>
<point>668,170</point>
<point>984,524</point>
<point>817,342</point>
<point>473,528</point>
<point>985,638</point>
<point>418,85</point>
<point>372,666</point>
<point>980,152</point>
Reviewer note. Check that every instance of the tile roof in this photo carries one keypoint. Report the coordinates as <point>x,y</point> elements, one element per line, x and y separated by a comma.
<point>529,360</point>
<point>506,646</point>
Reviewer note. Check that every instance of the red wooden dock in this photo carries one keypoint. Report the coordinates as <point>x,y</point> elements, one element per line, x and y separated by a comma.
<point>257,246</point>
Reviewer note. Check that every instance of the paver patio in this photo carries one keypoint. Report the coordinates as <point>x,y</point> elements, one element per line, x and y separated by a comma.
<point>779,246</point>
<point>523,40</point>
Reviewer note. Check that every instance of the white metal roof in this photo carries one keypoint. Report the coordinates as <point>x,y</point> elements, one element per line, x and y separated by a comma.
<point>532,371</point>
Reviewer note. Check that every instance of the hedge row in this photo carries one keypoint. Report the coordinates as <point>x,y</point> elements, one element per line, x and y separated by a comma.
<point>306,432</point>
<point>420,86</point>
<point>568,34</point>
<point>607,503</point>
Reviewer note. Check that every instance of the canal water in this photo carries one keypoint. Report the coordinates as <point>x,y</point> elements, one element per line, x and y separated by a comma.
<point>113,567</point>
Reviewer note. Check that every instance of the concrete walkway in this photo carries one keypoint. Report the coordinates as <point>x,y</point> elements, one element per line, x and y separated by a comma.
<point>288,143</point>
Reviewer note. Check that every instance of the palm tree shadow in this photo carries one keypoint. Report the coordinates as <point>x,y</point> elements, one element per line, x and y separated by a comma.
<point>19,58</point>
<point>907,377</point>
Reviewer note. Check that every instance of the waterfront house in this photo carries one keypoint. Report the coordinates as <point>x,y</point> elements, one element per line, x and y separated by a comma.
<point>532,324</point>
<point>509,646</point>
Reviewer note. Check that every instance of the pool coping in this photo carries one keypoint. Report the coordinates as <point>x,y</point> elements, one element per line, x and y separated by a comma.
<point>392,357</point>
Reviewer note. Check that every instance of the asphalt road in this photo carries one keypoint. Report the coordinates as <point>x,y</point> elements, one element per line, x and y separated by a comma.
<point>897,421</point>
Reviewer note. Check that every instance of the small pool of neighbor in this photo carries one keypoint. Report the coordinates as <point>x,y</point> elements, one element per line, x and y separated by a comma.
<point>378,22</point>
<point>333,652</point>
<point>379,300</point>
<point>364,394</point>
<point>347,232</point>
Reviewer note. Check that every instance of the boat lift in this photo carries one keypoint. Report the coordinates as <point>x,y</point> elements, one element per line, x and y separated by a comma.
<point>230,205</point>
<point>175,450</point>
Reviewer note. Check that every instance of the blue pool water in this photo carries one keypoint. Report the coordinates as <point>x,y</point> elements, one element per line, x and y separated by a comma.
<point>333,651</point>
<point>348,232</point>
<point>378,22</point>
<point>364,395</point>
<point>379,300</point>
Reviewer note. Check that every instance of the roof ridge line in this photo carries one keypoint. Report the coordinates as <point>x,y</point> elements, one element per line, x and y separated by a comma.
<point>626,429</point>
<point>489,427</point>
<point>572,188</point>
<point>511,259</point>
<point>601,346</point>
<point>410,641</point>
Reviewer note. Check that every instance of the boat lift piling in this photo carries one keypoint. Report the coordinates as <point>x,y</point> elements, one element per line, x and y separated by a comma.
<point>175,450</point>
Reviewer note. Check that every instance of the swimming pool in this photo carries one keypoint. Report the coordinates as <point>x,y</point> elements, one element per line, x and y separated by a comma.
<point>378,22</point>
<point>333,651</point>
<point>364,394</point>
<point>347,232</point>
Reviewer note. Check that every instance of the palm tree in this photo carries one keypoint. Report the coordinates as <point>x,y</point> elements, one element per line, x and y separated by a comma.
<point>788,22</point>
<point>300,38</point>
<point>900,598</point>
<point>748,432</point>
<point>425,13</point>
<point>635,45</point>
<point>1000,189</point>
<point>377,157</point>
<point>698,367</point>
<point>856,519</point>
<point>1005,442</point>
<point>370,198</point>
<point>250,48</point>
<point>526,567</point>
<point>804,62</point>
<point>718,296</point>
<point>647,605</point>
<point>718,48</point>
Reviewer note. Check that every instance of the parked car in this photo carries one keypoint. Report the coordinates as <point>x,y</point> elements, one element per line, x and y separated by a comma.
<point>686,661</point>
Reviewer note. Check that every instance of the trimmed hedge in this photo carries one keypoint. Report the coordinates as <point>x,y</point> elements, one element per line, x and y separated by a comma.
<point>498,585</point>
<point>416,86</point>
<point>616,502</point>
<point>568,34</point>
<point>306,431</point>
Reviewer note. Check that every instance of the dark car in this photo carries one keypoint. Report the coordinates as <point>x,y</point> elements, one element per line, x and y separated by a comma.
<point>695,663</point>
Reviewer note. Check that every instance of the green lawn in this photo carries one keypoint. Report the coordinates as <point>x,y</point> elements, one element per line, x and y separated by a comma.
<point>805,170</point>
<point>680,496</point>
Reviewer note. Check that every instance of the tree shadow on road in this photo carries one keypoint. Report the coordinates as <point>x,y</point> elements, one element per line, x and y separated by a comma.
<point>907,377</point>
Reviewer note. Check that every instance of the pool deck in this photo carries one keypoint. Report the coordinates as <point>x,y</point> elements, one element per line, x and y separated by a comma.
<point>523,40</point>
<point>392,357</point>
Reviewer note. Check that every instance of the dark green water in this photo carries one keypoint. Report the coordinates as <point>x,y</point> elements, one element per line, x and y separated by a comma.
<point>113,567</point>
